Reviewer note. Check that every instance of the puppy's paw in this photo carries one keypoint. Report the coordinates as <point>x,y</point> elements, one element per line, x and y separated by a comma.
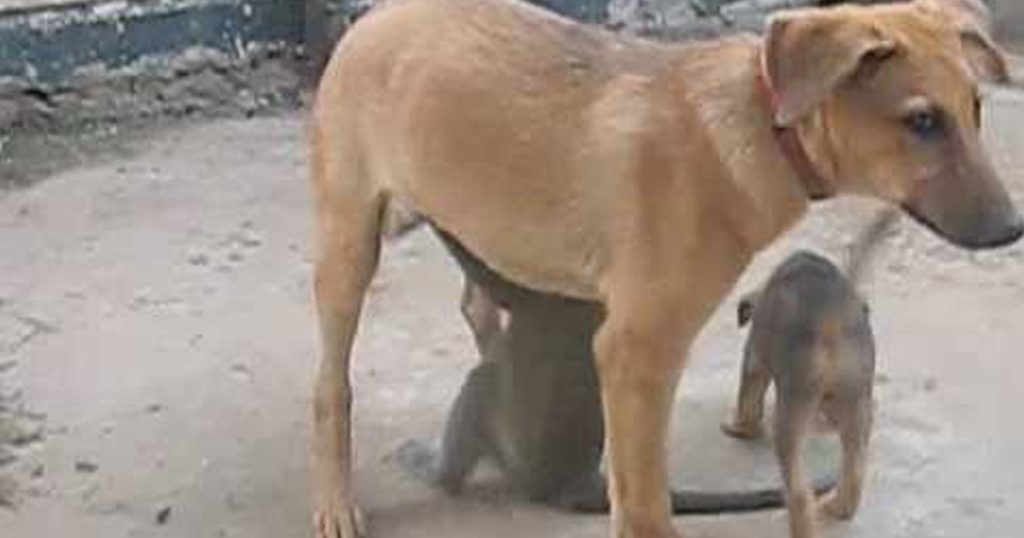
<point>740,430</point>
<point>834,507</point>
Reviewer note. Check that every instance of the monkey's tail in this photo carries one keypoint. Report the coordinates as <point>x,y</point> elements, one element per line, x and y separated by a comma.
<point>686,501</point>
<point>864,247</point>
<point>711,502</point>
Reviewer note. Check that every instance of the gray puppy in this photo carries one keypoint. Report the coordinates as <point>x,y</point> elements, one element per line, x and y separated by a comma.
<point>810,335</point>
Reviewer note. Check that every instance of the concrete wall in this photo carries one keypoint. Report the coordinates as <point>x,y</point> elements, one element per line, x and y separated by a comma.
<point>94,65</point>
<point>1009,18</point>
<point>326,20</point>
<point>47,44</point>
<point>19,4</point>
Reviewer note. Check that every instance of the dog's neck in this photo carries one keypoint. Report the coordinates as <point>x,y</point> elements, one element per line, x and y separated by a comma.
<point>790,142</point>
<point>720,79</point>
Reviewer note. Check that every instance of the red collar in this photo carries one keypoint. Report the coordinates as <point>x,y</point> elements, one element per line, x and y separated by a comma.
<point>816,187</point>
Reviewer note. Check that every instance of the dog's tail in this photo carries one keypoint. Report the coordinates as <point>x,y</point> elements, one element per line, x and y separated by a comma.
<point>865,246</point>
<point>746,306</point>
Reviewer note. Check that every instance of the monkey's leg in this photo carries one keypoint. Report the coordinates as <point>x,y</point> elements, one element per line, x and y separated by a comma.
<point>467,434</point>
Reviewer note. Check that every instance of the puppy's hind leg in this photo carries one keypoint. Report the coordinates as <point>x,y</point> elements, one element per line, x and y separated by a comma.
<point>754,382</point>
<point>792,425</point>
<point>854,419</point>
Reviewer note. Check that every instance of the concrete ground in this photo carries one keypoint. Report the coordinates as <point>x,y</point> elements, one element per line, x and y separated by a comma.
<point>155,319</point>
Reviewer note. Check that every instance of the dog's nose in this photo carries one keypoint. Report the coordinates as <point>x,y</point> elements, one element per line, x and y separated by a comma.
<point>1007,235</point>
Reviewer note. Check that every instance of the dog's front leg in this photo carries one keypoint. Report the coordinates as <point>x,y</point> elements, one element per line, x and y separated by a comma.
<point>639,354</point>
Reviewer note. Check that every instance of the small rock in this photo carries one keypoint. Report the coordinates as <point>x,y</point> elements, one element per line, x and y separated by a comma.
<point>241,370</point>
<point>930,384</point>
<point>7,492</point>
<point>18,435</point>
<point>32,415</point>
<point>86,467</point>
<point>154,408</point>
<point>250,240</point>
<point>235,256</point>
<point>74,294</point>
<point>199,259</point>
<point>38,471</point>
<point>163,515</point>
<point>7,456</point>
<point>233,503</point>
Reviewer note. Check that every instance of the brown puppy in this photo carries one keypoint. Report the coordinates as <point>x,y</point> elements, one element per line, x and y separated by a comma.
<point>810,336</point>
<point>642,176</point>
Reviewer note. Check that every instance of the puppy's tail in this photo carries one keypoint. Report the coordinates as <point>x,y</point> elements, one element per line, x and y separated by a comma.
<point>864,247</point>
<point>746,306</point>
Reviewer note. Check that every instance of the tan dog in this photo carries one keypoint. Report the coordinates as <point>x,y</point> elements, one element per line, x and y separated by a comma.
<point>643,176</point>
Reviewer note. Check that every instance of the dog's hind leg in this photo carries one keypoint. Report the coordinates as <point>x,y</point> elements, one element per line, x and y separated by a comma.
<point>754,382</point>
<point>792,424</point>
<point>348,217</point>
<point>853,418</point>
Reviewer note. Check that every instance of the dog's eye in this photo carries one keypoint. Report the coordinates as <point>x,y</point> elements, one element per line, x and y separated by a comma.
<point>926,124</point>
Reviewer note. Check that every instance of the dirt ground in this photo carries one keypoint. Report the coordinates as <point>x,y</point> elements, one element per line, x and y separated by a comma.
<point>155,322</point>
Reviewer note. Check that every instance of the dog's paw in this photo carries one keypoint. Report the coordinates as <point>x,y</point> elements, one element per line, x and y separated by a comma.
<point>742,431</point>
<point>646,533</point>
<point>338,520</point>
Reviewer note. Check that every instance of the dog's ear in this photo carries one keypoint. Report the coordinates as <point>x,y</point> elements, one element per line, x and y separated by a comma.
<point>745,308</point>
<point>985,58</point>
<point>973,20</point>
<point>808,53</point>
